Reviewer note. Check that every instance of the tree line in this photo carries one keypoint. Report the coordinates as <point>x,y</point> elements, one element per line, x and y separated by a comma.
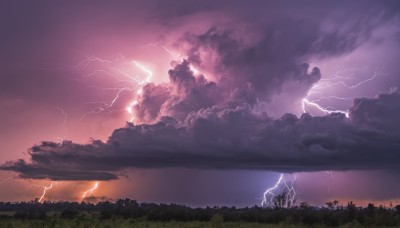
<point>332,214</point>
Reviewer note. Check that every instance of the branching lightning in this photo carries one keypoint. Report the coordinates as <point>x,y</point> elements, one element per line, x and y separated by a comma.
<point>120,70</point>
<point>280,189</point>
<point>45,188</point>
<point>306,102</point>
<point>114,68</point>
<point>86,62</point>
<point>143,68</point>
<point>316,94</point>
<point>129,107</point>
<point>90,191</point>
<point>340,78</point>
<point>267,199</point>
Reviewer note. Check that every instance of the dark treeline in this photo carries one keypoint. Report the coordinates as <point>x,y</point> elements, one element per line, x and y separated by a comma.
<point>331,215</point>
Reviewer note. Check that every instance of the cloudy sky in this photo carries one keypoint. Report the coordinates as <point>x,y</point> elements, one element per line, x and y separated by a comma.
<point>200,102</point>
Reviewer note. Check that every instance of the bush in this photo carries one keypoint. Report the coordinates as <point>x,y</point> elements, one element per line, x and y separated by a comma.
<point>69,214</point>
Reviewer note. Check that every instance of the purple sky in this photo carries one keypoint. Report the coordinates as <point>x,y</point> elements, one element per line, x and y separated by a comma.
<point>200,103</point>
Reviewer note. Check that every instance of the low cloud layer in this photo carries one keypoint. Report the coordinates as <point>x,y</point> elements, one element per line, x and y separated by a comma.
<point>216,138</point>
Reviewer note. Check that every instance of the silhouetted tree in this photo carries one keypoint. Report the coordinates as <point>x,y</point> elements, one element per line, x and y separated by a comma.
<point>351,211</point>
<point>304,214</point>
<point>280,200</point>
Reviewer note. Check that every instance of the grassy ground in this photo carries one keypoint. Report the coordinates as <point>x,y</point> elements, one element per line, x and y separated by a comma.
<point>119,223</point>
<point>125,223</point>
<point>91,220</point>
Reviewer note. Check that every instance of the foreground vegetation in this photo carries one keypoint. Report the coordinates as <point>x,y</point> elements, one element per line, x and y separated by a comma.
<point>121,223</point>
<point>129,213</point>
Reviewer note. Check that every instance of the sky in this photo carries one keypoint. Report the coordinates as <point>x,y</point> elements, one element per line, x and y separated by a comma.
<point>200,102</point>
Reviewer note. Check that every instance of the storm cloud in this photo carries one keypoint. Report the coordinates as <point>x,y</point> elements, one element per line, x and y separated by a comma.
<point>215,138</point>
<point>215,118</point>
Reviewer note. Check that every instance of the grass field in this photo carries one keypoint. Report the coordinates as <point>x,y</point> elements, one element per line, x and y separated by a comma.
<point>128,213</point>
<point>121,223</point>
<point>125,223</point>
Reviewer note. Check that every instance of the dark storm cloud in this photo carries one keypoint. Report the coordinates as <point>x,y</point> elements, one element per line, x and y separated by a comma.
<point>256,58</point>
<point>243,72</point>
<point>213,121</point>
<point>53,173</point>
<point>183,94</point>
<point>45,33</point>
<point>224,138</point>
<point>275,57</point>
<point>187,93</point>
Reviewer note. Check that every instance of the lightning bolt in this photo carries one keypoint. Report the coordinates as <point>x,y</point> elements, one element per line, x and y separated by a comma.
<point>136,83</point>
<point>147,71</point>
<point>291,193</point>
<point>269,194</point>
<point>306,102</point>
<point>89,59</point>
<point>101,106</point>
<point>128,83</point>
<point>45,188</point>
<point>281,186</point>
<point>64,124</point>
<point>175,55</point>
<point>330,173</point>
<point>339,78</point>
<point>129,107</point>
<point>120,70</point>
<point>95,186</point>
<point>104,106</point>
<point>180,58</point>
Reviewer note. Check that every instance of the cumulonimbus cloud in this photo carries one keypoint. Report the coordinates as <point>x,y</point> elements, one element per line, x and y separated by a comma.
<point>216,122</point>
<point>215,138</point>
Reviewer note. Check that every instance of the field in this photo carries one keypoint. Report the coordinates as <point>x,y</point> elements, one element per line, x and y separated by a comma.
<point>130,213</point>
<point>117,223</point>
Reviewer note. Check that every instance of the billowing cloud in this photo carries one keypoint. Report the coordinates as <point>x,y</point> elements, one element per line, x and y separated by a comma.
<point>232,138</point>
<point>216,118</point>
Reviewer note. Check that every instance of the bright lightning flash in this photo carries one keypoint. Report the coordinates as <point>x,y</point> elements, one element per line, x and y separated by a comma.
<point>90,191</point>
<point>280,187</point>
<point>119,68</point>
<point>115,68</point>
<point>129,107</point>
<point>180,58</point>
<point>339,78</point>
<point>306,102</point>
<point>45,188</point>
